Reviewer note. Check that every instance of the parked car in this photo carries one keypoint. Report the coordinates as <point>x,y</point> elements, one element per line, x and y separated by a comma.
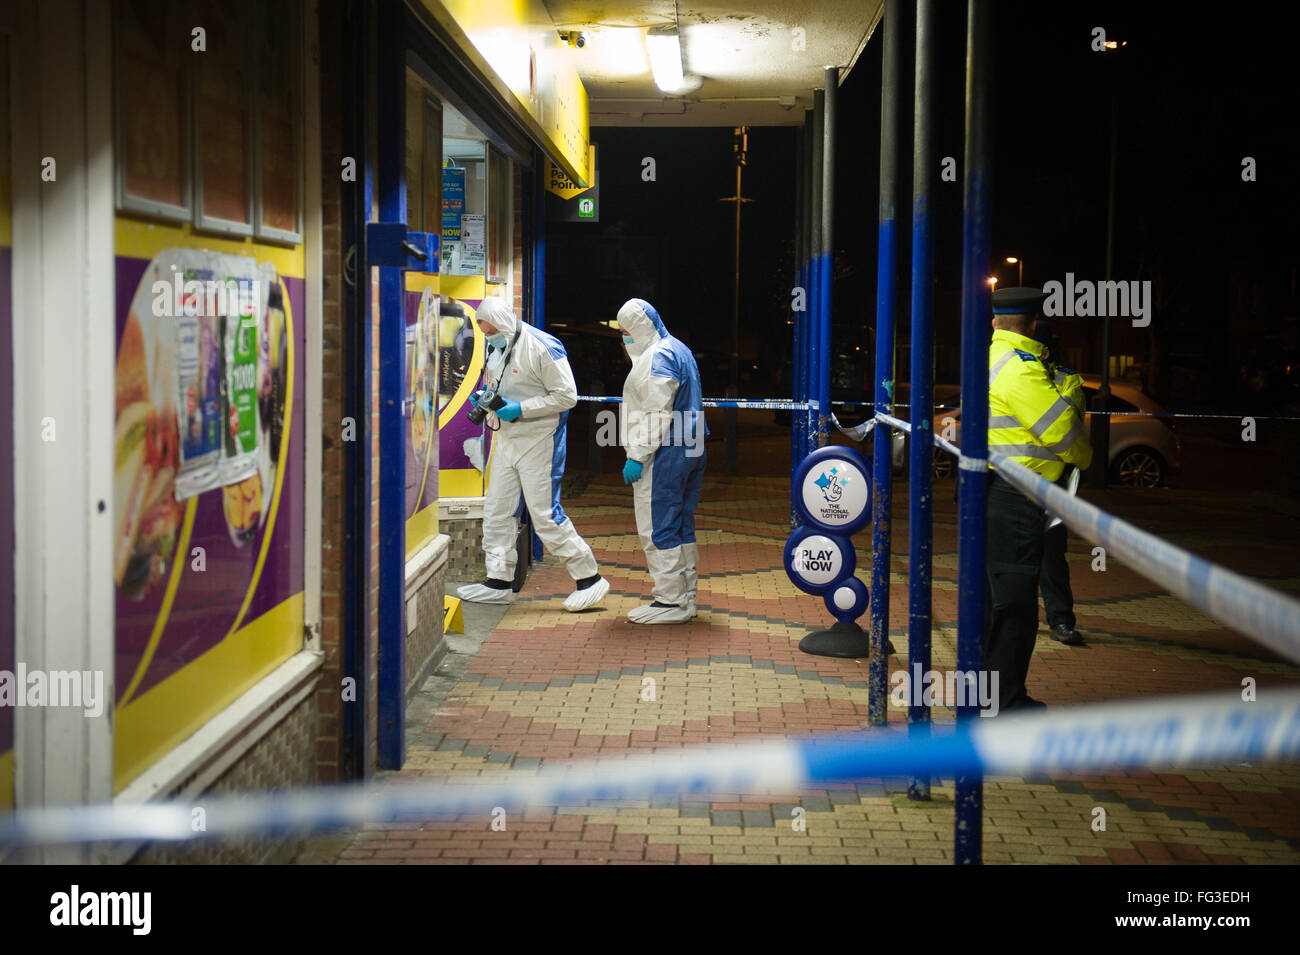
<point>1144,450</point>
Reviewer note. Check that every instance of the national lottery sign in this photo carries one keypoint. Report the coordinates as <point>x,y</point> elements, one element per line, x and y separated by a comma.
<point>831,490</point>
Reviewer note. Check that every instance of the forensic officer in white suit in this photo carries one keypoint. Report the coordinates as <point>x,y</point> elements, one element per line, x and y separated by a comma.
<point>664,437</point>
<point>530,371</point>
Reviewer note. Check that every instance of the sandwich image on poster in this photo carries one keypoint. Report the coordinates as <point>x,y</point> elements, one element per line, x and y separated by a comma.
<point>146,511</point>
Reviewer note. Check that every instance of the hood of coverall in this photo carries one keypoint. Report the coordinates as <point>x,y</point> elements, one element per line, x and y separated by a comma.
<point>496,312</point>
<point>643,323</point>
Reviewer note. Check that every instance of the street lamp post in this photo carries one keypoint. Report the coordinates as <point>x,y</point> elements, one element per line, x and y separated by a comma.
<point>1100,430</point>
<point>1020,274</point>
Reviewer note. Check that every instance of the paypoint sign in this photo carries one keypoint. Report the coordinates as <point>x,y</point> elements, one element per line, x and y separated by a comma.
<point>573,203</point>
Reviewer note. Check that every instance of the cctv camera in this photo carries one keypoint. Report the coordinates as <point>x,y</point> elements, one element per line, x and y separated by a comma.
<point>580,40</point>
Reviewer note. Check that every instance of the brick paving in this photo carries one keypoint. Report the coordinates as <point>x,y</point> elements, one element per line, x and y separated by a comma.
<point>549,687</point>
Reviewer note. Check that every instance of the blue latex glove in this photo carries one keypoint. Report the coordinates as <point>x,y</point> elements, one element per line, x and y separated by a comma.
<point>631,471</point>
<point>509,411</point>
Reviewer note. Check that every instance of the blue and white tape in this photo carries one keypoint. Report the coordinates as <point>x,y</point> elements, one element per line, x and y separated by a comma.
<point>1166,733</point>
<point>1261,613</point>
<point>755,404</point>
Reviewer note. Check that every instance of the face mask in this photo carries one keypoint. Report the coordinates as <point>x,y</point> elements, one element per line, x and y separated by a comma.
<point>497,341</point>
<point>628,340</point>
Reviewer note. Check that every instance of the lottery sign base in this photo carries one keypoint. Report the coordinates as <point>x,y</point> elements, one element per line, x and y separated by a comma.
<point>843,639</point>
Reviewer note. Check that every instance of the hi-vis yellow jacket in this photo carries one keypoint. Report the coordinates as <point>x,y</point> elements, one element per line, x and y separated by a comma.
<point>1029,420</point>
<point>1069,383</point>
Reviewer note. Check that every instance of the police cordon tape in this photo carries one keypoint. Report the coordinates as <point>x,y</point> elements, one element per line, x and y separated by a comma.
<point>1258,612</point>
<point>1202,730</point>
<point>787,404</point>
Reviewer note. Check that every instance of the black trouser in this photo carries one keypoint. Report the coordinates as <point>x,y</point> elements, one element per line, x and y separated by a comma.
<point>1014,556</point>
<point>1054,579</point>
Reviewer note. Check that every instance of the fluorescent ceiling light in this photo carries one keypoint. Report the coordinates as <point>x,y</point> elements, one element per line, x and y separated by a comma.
<point>665,51</point>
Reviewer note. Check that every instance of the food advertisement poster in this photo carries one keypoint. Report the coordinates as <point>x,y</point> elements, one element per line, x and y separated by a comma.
<point>208,584</point>
<point>422,307</point>
<point>463,445</point>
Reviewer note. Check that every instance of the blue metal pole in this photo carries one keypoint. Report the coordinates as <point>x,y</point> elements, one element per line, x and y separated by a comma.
<point>391,84</point>
<point>882,496</point>
<point>538,318</point>
<point>826,254</point>
<point>815,316</point>
<point>798,309</point>
<point>921,470</point>
<point>972,480</point>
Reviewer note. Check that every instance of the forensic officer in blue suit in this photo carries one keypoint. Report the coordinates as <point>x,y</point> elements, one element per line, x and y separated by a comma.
<point>664,432</point>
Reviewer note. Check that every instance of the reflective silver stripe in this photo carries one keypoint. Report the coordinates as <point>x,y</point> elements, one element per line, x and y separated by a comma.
<point>1060,447</point>
<point>1023,451</point>
<point>1060,378</point>
<point>999,365</point>
<point>1003,421</point>
<point>1040,427</point>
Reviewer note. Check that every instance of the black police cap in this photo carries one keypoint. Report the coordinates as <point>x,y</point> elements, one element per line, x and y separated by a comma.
<point>1017,301</point>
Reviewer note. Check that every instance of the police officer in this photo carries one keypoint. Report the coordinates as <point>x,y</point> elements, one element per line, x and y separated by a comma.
<point>1054,576</point>
<point>1031,423</point>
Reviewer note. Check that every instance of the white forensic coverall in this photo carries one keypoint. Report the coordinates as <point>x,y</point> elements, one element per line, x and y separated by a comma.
<point>528,453</point>
<point>664,423</point>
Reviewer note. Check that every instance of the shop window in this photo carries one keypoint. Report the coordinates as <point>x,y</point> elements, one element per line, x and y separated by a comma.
<point>500,216</point>
<point>211,136</point>
<point>223,114</point>
<point>153,107</point>
<point>278,132</point>
<point>464,197</point>
<point>423,157</point>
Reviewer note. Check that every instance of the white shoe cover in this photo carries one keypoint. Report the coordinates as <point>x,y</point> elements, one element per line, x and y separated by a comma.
<point>652,614</point>
<point>588,597</point>
<point>479,594</point>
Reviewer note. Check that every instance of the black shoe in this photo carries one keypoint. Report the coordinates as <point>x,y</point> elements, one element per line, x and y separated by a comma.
<point>1064,633</point>
<point>1021,705</point>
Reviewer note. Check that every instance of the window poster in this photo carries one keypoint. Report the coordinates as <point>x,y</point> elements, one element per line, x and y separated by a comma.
<point>473,252</point>
<point>453,202</point>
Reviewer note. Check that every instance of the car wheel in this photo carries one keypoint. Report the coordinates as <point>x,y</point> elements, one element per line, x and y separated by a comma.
<point>1139,467</point>
<point>945,465</point>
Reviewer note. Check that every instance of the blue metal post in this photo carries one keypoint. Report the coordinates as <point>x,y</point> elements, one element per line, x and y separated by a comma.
<point>809,280</point>
<point>798,297</point>
<point>972,487</point>
<point>921,472</point>
<point>538,318</point>
<point>886,258</point>
<point>815,359</point>
<point>391,87</point>
<point>826,256</point>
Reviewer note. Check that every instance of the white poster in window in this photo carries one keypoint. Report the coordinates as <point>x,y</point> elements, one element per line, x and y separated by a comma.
<point>473,245</point>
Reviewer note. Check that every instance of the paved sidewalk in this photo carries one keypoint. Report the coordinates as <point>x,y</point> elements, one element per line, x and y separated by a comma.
<point>548,686</point>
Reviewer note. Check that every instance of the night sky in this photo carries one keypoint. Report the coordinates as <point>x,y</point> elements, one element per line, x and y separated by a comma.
<point>1195,97</point>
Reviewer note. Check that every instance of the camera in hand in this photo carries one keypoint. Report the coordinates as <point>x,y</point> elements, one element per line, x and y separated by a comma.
<point>487,400</point>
